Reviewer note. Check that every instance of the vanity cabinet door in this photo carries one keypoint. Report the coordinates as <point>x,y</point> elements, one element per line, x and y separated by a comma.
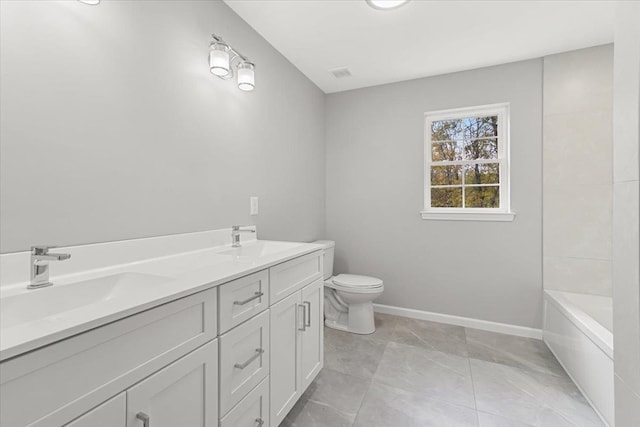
<point>312,336</point>
<point>285,387</point>
<point>110,414</point>
<point>183,394</point>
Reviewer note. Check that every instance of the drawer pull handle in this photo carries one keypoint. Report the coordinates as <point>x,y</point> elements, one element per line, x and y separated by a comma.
<point>304,317</point>
<point>248,300</point>
<point>259,351</point>
<point>146,421</point>
<point>260,421</point>
<point>307,314</point>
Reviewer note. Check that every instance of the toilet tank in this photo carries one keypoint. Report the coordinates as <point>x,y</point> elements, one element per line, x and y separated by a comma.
<point>327,262</point>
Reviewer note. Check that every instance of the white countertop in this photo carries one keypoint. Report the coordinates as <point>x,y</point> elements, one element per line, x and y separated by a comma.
<point>177,275</point>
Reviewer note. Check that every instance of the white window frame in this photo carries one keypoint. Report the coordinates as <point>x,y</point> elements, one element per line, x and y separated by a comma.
<point>503,213</point>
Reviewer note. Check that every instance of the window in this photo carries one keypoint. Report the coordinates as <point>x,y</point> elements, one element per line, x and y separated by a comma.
<point>467,164</point>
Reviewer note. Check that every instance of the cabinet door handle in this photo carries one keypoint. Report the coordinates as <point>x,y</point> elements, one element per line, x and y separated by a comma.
<point>256,295</point>
<point>259,351</point>
<point>307,314</point>
<point>146,421</point>
<point>260,421</point>
<point>304,317</point>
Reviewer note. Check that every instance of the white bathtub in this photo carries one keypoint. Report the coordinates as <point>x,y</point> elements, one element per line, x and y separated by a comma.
<point>577,329</point>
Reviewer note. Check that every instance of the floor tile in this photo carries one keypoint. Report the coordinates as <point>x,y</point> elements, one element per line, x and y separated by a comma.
<point>431,335</point>
<point>490,420</point>
<point>526,353</point>
<point>529,397</point>
<point>307,413</point>
<point>386,406</point>
<point>385,325</point>
<point>436,375</point>
<point>339,391</point>
<point>350,354</point>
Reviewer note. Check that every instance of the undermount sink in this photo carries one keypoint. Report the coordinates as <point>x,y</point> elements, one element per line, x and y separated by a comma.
<point>249,252</point>
<point>48,303</point>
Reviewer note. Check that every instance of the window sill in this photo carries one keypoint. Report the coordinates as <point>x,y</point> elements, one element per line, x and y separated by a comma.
<point>468,216</point>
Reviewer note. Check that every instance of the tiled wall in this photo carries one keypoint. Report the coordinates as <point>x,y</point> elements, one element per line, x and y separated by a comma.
<point>577,170</point>
<point>626,219</point>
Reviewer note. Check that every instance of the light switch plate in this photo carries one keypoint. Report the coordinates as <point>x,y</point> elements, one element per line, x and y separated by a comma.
<point>253,201</point>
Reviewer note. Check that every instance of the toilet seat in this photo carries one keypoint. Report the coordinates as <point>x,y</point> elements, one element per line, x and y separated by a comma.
<point>355,283</point>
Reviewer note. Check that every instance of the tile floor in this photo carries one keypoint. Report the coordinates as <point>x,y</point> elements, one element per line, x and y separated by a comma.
<point>418,373</point>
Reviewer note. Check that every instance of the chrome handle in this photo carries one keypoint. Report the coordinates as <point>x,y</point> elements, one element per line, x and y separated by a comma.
<point>256,295</point>
<point>260,421</point>
<point>259,351</point>
<point>146,421</point>
<point>307,314</point>
<point>41,249</point>
<point>304,317</point>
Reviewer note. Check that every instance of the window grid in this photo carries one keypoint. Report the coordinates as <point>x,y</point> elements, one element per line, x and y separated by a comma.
<point>501,112</point>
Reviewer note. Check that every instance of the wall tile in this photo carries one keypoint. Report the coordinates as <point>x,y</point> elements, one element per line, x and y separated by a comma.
<point>627,93</point>
<point>580,80</point>
<point>577,149</point>
<point>577,222</point>
<point>580,275</point>
<point>627,405</point>
<point>626,277</point>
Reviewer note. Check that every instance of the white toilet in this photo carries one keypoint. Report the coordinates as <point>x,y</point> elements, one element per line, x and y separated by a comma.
<point>348,298</point>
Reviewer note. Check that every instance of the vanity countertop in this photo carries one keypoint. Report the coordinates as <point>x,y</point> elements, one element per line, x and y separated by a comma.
<point>31,320</point>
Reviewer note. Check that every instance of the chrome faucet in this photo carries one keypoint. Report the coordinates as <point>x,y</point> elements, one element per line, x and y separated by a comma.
<point>40,258</point>
<point>235,234</point>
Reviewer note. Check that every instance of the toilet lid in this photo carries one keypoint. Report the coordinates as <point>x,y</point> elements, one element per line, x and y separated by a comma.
<point>356,281</point>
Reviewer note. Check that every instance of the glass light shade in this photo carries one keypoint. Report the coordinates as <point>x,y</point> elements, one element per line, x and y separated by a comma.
<point>219,59</point>
<point>386,4</point>
<point>246,76</point>
<point>90,2</point>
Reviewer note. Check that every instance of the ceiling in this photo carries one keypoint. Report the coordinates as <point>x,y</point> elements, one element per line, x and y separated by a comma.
<point>421,38</point>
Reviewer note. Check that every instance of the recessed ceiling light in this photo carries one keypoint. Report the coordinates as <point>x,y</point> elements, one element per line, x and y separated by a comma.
<point>90,2</point>
<point>386,4</point>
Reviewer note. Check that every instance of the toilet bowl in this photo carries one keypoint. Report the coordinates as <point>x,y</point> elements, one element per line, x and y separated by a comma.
<point>348,298</point>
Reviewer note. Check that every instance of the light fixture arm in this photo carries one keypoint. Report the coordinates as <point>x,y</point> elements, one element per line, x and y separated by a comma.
<point>234,56</point>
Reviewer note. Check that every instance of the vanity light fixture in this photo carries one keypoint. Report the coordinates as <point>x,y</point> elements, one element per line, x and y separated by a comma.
<point>246,76</point>
<point>222,59</point>
<point>386,4</point>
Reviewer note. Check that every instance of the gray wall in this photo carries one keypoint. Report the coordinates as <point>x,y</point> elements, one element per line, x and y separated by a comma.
<point>626,214</point>
<point>577,170</point>
<point>113,128</point>
<point>374,137</point>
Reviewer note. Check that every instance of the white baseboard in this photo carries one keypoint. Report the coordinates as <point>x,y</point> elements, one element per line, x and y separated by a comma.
<point>485,325</point>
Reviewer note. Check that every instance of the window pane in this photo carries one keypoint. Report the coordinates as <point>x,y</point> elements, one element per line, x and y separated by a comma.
<point>447,130</point>
<point>481,149</point>
<point>450,150</point>
<point>446,197</point>
<point>480,127</point>
<point>446,175</point>
<point>487,173</point>
<point>482,197</point>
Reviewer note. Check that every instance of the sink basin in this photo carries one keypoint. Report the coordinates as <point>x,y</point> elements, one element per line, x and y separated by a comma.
<point>51,302</point>
<point>250,252</point>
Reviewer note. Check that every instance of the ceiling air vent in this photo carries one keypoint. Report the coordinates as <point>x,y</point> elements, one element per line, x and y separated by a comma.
<point>341,72</point>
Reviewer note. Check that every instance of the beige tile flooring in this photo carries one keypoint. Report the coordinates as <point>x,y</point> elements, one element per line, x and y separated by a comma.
<point>418,373</point>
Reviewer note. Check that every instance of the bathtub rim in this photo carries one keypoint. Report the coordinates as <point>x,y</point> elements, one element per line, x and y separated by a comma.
<point>597,333</point>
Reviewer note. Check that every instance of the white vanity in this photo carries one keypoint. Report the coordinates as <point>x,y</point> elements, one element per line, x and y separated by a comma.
<point>197,334</point>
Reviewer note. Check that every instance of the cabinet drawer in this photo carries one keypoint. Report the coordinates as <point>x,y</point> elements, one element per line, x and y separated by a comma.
<point>57,383</point>
<point>244,360</point>
<point>252,410</point>
<point>290,276</point>
<point>242,299</point>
